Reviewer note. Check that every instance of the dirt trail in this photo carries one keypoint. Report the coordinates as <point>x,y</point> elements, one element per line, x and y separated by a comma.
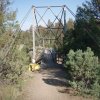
<point>46,85</point>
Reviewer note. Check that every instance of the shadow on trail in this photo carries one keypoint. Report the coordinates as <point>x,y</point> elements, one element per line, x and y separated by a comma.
<point>55,75</point>
<point>54,82</point>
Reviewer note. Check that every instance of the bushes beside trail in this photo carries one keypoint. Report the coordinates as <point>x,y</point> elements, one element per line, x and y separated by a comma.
<point>84,71</point>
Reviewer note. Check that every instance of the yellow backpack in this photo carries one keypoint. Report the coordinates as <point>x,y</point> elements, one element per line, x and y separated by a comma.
<point>34,67</point>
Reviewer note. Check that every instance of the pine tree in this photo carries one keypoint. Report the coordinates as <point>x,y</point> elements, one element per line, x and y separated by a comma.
<point>87,27</point>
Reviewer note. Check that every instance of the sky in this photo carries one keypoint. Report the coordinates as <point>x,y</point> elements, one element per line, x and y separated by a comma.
<point>22,7</point>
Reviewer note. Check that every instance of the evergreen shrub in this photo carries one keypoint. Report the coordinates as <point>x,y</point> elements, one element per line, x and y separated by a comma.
<point>83,68</point>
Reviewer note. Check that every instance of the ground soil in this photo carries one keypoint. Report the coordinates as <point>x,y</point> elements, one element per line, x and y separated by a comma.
<point>48,84</point>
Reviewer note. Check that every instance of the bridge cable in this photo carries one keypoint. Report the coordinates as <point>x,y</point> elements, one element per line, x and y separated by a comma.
<point>16,32</point>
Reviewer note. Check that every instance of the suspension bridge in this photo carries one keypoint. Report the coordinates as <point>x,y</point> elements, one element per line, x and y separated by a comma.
<point>37,18</point>
<point>48,80</point>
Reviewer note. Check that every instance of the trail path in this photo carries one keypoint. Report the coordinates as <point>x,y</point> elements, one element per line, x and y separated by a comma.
<point>47,85</point>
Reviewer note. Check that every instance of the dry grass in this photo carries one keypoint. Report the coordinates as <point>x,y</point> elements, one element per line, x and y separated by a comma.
<point>8,92</point>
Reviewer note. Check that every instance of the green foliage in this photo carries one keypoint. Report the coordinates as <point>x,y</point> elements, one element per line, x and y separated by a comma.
<point>4,5</point>
<point>12,70</point>
<point>96,89</point>
<point>86,29</point>
<point>13,67</point>
<point>83,68</point>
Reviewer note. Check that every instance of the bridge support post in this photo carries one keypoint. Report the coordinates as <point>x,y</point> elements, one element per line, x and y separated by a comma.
<point>33,35</point>
<point>65,27</point>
